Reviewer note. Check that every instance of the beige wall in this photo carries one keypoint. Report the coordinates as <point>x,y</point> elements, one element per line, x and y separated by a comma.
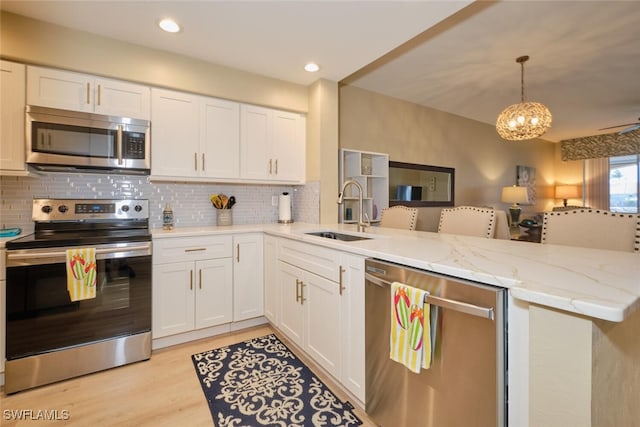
<point>484,163</point>
<point>322,146</point>
<point>35,42</point>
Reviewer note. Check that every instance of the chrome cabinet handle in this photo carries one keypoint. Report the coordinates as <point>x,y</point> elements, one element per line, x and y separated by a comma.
<point>276,166</point>
<point>190,279</point>
<point>297,290</point>
<point>195,161</point>
<point>270,166</point>
<point>88,93</point>
<point>195,250</point>
<point>119,144</point>
<point>203,162</point>
<point>49,139</point>
<point>200,278</point>
<point>238,252</point>
<point>341,287</point>
<point>99,95</point>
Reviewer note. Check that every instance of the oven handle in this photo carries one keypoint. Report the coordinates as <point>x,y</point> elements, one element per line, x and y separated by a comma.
<point>463,307</point>
<point>50,257</point>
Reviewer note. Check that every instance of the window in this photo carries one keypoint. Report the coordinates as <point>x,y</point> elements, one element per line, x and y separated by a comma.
<point>624,183</point>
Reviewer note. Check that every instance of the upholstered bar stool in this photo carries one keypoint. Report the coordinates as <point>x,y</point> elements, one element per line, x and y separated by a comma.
<point>592,228</point>
<point>468,221</point>
<point>399,217</point>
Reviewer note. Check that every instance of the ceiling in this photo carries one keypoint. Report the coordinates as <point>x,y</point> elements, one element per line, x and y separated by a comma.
<point>585,55</point>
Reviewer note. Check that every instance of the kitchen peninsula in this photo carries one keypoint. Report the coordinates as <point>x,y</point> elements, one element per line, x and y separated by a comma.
<point>572,313</point>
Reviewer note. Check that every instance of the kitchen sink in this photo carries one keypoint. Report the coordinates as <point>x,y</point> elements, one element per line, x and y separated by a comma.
<point>337,236</point>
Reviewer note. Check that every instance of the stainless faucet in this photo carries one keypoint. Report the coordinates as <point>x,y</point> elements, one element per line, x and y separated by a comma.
<point>361,224</point>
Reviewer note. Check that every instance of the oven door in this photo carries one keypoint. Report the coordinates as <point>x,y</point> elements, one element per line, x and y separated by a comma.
<point>41,316</point>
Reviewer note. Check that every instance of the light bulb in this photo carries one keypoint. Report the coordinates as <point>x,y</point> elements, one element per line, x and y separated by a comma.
<point>312,67</point>
<point>169,25</point>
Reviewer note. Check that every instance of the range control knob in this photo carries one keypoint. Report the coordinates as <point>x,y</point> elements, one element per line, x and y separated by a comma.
<point>125,208</point>
<point>63,208</point>
<point>46,209</point>
<point>138,208</point>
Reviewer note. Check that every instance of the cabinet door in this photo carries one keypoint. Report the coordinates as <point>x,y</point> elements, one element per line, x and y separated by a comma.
<point>248,286</point>
<point>59,89</point>
<point>12,111</point>
<point>174,132</point>
<point>213,281</point>
<point>323,322</point>
<point>118,98</point>
<point>173,303</point>
<point>352,331</point>
<point>220,138</point>
<point>291,311</point>
<point>271,294</point>
<point>255,142</point>
<point>288,146</point>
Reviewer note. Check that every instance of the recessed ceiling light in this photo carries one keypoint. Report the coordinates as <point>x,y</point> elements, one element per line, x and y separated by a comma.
<point>312,67</point>
<point>169,25</point>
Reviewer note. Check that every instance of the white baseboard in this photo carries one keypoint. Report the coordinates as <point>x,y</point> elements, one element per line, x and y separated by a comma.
<point>163,342</point>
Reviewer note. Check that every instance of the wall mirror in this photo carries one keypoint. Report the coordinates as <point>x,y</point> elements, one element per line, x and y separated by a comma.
<point>420,185</point>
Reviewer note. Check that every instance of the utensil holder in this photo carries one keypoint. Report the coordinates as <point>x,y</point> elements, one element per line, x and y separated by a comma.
<point>224,217</point>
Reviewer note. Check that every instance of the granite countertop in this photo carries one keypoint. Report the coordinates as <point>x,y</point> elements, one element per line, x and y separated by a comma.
<point>596,283</point>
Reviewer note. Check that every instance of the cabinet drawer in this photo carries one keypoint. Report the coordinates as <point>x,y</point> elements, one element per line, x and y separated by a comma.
<point>316,259</point>
<point>191,248</point>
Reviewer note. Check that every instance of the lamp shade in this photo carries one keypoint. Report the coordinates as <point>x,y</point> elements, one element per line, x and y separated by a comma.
<point>567,192</point>
<point>514,194</point>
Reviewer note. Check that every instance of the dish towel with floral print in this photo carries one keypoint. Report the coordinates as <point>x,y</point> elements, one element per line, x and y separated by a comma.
<point>81,273</point>
<point>410,338</point>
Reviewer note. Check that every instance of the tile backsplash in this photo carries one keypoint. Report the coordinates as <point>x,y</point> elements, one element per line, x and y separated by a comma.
<point>190,201</point>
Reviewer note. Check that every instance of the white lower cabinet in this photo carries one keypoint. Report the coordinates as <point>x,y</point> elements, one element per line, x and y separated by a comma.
<point>352,330</point>
<point>322,307</point>
<point>195,289</point>
<point>271,294</point>
<point>248,276</point>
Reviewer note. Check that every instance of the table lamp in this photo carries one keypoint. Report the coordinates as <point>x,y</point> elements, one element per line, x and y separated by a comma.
<point>565,192</point>
<point>515,195</point>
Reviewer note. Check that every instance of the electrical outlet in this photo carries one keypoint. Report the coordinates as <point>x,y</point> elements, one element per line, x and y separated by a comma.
<point>432,183</point>
<point>274,200</point>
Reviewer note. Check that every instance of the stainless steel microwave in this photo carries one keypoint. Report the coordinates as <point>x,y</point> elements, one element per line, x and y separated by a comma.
<point>61,140</point>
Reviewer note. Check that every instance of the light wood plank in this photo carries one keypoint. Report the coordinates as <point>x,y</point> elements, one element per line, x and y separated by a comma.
<point>163,391</point>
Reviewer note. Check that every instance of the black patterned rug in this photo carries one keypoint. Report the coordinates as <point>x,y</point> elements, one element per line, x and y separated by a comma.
<point>260,382</point>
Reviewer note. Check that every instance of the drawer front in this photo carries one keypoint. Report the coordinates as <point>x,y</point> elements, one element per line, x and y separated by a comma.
<point>191,248</point>
<point>316,259</point>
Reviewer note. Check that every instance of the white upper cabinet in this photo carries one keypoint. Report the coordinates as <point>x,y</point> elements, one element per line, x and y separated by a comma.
<point>272,145</point>
<point>82,92</point>
<point>12,110</point>
<point>175,147</point>
<point>194,136</point>
<point>220,138</point>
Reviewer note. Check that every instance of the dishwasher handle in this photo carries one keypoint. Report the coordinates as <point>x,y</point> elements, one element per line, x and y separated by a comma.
<point>463,307</point>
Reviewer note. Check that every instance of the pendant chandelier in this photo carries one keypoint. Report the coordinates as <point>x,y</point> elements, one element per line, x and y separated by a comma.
<point>526,120</point>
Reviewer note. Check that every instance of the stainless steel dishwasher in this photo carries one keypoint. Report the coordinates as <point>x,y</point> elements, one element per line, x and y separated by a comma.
<point>465,385</point>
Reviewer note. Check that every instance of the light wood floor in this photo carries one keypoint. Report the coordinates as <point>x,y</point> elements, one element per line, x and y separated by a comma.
<point>163,391</point>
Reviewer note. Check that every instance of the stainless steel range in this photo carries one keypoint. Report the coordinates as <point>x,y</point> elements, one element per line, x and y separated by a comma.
<point>50,334</point>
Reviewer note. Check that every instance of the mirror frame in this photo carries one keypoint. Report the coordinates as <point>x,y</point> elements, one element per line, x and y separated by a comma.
<point>424,203</point>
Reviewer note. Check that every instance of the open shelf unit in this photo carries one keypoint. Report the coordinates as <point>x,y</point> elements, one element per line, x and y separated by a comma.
<point>371,170</point>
